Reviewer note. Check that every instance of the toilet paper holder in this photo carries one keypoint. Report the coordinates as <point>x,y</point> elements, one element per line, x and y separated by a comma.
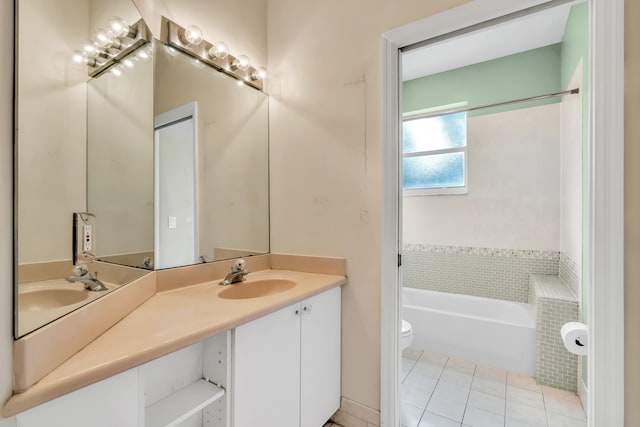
<point>575,336</point>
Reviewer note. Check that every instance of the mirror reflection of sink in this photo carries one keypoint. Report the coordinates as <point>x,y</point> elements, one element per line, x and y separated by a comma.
<point>45,299</point>
<point>256,288</point>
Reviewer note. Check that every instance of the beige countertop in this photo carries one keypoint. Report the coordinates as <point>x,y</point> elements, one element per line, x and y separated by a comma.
<point>166,322</point>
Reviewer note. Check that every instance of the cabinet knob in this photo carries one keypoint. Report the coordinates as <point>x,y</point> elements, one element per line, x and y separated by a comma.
<point>307,308</point>
<point>297,312</point>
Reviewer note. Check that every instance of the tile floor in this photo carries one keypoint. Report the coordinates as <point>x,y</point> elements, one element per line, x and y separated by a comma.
<point>440,391</point>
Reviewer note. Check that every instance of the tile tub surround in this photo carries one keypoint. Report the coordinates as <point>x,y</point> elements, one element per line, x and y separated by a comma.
<point>485,272</point>
<point>570,273</point>
<point>442,391</point>
<point>166,322</point>
<point>555,304</point>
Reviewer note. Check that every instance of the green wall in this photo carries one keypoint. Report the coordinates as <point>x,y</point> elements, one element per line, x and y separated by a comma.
<point>522,75</point>
<point>575,48</point>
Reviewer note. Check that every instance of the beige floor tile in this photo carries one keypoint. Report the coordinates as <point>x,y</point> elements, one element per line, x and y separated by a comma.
<point>420,380</point>
<point>518,414</point>
<point>429,419</point>
<point>490,387</point>
<point>491,373</point>
<point>456,377</point>
<point>432,369</point>
<point>487,402</point>
<point>568,407</point>
<point>434,358</point>
<point>522,381</point>
<point>410,415</point>
<point>475,417</point>
<point>460,365</point>
<point>524,396</point>
<point>452,392</point>
<point>447,408</point>
<point>414,396</point>
<point>556,420</point>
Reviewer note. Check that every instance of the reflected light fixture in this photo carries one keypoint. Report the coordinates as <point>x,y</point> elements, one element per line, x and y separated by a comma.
<point>101,38</point>
<point>118,27</point>
<point>108,47</point>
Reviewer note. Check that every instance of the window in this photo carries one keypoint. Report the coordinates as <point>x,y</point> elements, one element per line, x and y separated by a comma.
<point>434,153</point>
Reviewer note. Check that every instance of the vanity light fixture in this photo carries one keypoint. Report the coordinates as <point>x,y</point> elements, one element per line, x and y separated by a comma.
<point>241,63</point>
<point>192,35</point>
<point>259,74</point>
<point>216,55</point>
<point>109,47</point>
<point>219,50</point>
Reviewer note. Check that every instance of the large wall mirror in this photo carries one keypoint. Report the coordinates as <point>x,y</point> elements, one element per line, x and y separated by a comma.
<point>169,156</point>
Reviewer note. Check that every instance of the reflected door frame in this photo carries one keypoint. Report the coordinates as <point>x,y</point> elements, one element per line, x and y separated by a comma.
<point>606,210</point>
<point>187,112</point>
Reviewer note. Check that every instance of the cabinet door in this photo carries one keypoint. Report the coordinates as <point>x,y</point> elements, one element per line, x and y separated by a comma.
<point>320,358</point>
<point>108,403</point>
<point>266,381</point>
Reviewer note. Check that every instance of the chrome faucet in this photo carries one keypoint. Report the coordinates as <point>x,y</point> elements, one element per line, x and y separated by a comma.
<point>90,283</point>
<point>237,275</point>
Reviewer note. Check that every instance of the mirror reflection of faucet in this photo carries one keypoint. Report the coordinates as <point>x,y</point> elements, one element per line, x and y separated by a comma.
<point>83,275</point>
<point>237,275</point>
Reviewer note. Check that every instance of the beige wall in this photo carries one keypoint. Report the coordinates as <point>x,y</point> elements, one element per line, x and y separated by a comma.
<point>120,159</point>
<point>326,166</point>
<point>511,203</point>
<point>632,212</point>
<point>6,237</point>
<point>52,92</point>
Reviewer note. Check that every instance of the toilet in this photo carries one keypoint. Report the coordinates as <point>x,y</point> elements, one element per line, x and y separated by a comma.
<point>406,335</point>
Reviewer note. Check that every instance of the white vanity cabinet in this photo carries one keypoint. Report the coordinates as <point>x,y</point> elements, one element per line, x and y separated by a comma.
<point>174,390</point>
<point>286,370</point>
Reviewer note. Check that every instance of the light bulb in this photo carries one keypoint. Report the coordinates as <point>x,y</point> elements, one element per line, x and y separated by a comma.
<point>101,38</point>
<point>259,74</point>
<point>220,50</point>
<point>128,63</point>
<point>240,83</point>
<point>78,57</point>
<point>116,71</point>
<point>193,35</point>
<point>241,63</point>
<point>118,26</point>
<point>90,50</point>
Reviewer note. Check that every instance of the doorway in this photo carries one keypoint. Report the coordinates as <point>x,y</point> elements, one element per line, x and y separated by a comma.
<point>176,187</point>
<point>603,215</point>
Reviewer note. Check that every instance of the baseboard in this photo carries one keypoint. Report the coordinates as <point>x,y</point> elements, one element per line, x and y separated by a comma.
<point>354,414</point>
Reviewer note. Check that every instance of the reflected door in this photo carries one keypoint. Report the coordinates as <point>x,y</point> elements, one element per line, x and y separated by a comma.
<point>176,221</point>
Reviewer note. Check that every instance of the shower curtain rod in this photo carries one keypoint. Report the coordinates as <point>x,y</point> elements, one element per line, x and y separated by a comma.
<point>497,104</point>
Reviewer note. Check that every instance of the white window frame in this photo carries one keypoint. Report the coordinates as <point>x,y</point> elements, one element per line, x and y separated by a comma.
<point>438,191</point>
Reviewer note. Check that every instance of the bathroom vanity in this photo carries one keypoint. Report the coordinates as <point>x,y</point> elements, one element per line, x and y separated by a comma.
<point>191,357</point>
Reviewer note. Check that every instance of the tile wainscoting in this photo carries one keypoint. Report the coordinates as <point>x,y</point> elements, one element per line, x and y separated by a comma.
<point>484,272</point>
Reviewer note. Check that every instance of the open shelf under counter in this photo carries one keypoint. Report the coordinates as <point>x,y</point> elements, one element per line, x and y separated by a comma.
<point>177,407</point>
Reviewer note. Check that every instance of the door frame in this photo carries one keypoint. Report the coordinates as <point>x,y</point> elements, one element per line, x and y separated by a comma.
<point>177,115</point>
<point>606,186</point>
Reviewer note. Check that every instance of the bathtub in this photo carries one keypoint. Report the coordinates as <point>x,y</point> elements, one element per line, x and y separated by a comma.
<point>488,331</point>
